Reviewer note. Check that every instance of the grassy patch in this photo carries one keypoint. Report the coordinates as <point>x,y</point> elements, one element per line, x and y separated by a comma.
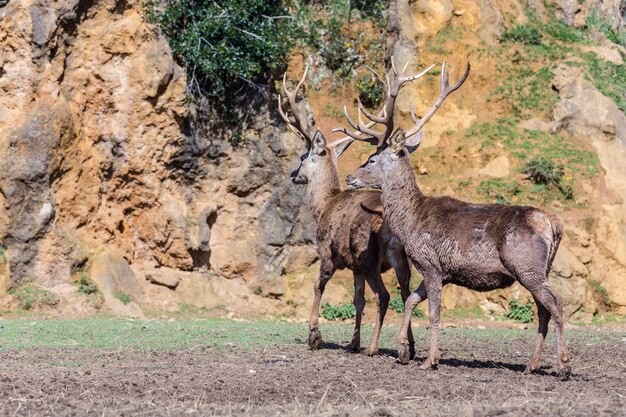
<point>219,334</point>
<point>609,78</point>
<point>525,90</point>
<point>530,149</point>
<point>30,295</point>
<point>463,313</point>
<point>527,34</point>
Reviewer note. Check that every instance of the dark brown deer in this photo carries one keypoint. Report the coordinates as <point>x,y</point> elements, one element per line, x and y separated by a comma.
<point>350,229</point>
<point>478,246</point>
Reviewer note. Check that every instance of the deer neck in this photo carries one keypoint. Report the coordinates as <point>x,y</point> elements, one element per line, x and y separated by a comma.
<point>401,197</point>
<point>322,188</point>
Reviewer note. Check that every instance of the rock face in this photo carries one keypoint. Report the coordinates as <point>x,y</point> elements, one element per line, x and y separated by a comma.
<point>585,112</point>
<point>106,171</point>
<point>97,150</point>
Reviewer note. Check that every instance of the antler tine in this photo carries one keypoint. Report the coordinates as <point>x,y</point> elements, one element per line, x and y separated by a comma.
<point>365,129</point>
<point>415,119</point>
<point>393,65</point>
<point>369,115</point>
<point>355,135</point>
<point>349,119</point>
<point>445,91</point>
<point>296,126</point>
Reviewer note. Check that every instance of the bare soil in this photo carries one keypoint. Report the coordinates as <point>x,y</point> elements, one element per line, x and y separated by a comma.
<point>476,377</point>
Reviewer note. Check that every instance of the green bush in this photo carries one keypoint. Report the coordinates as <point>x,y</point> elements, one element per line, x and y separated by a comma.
<point>370,90</point>
<point>338,52</point>
<point>601,293</point>
<point>28,295</point>
<point>86,285</point>
<point>525,34</point>
<point>123,297</point>
<point>521,312</point>
<point>343,312</point>
<point>541,170</point>
<point>225,42</point>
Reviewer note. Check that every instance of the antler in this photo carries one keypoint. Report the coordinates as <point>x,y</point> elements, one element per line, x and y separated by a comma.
<point>391,84</point>
<point>445,89</point>
<point>296,126</point>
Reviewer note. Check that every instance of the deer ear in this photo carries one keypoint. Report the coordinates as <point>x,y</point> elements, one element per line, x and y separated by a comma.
<point>397,141</point>
<point>414,142</point>
<point>341,147</point>
<point>319,143</point>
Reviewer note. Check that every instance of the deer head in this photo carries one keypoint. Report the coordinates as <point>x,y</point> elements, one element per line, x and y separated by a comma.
<point>393,148</point>
<point>320,157</point>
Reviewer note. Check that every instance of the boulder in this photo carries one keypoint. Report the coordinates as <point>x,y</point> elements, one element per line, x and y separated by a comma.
<point>583,110</point>
<point>114,276</point>
<point>497,168</point>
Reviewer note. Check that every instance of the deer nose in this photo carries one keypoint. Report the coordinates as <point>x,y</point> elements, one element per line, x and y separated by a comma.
<point>351,182</point>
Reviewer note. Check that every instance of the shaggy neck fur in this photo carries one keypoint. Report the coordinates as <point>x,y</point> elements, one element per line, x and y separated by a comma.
<point>323,186</point>
<point>400,196</point>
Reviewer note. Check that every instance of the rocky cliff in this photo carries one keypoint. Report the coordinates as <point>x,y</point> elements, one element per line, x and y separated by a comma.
<point>107,171</point>
<point>99,154</point>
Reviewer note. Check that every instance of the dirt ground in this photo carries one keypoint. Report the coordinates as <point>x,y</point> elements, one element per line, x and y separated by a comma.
<point>478,376</point>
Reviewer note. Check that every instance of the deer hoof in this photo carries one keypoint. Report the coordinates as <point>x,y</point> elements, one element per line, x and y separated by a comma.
<point>428,364</point>
<point>315,339</point>
<point>565,373</point>
<point>530,369</point>
<point>354,347</point>
<point>371,352</point>
<point>404,354</point>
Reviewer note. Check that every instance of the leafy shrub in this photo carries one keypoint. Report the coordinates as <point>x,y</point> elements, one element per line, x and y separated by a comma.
<point>338,52</point>
<point>542,170</point>
<point>123,297</point>
<point>397,305</point>
<point>86,285</point>
<point>28,295</point>
<point>370,90</point>
<point>525,34</point>
<point>225,42</point>
<point>343,312</point>
<point>601,294</point>
<point>521,312</point>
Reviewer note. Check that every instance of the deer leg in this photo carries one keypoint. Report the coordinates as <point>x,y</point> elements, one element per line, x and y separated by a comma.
<point>541,291</point>
<point>381,294</point>
<point>416,297</point>
<point>315,337</point>
<point>359,305</point>
<point>544,318</point>
<point>433,287</point>
<point>403,274</point>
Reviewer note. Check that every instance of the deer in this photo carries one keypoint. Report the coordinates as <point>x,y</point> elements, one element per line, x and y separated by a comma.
<point>351,232</point>
<point>482,247</point>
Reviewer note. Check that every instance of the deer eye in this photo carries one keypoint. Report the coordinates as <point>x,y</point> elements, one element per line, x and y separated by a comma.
<point>372,161</point>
